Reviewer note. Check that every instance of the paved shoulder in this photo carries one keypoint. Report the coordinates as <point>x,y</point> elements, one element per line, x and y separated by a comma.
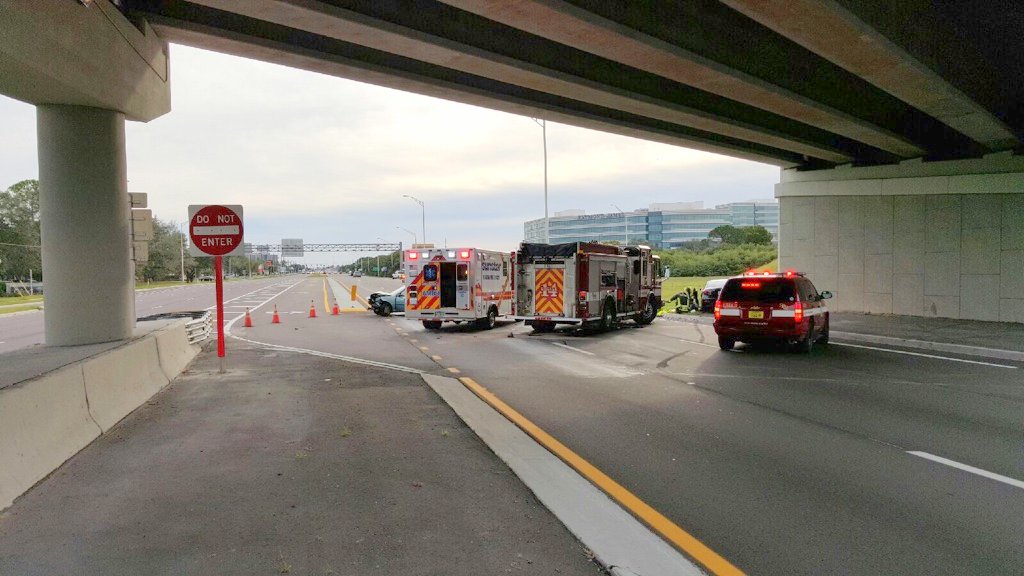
<point>287,463</point>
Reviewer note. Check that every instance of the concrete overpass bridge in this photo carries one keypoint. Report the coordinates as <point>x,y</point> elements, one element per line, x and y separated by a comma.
<point>897,126</point>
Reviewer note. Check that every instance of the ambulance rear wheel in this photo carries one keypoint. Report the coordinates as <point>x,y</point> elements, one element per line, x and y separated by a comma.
<point>488,322</point>
<point>432,324</point>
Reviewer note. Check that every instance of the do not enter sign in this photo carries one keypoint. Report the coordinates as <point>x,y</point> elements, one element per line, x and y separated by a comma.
<point>215,230</point>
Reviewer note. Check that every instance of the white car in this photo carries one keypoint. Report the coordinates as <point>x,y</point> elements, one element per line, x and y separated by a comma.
<point>709,294</point>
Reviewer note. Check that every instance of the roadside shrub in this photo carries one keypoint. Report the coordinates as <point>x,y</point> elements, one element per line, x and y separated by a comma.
<point>725,260</point>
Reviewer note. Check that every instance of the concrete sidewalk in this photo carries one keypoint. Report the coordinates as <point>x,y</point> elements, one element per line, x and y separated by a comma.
<point>998,340</point>
<point>287,464</point>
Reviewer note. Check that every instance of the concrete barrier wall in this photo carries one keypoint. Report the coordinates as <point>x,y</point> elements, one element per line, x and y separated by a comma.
<point>46,420</point>
<point>121,380</point>
<point>42,424</point>
<point>174,350</point>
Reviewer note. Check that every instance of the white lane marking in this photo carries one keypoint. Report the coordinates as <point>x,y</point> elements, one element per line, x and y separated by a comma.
<point>990,475</point>
<point>567,347</point>
<point>333,356</point>
<point>227,327</point>
<point>253,292</point>
<point>924,355</point>
<point>699,343</point>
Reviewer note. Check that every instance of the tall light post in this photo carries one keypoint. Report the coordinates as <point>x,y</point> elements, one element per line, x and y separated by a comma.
<point>181,237</point>
<point>424,210</point>
<point>391,257</point>
<point>626,220</point>
<point>547,223</point>
<point>414,240</point>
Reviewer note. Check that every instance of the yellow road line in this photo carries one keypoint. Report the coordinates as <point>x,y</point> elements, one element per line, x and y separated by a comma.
<point>327,307</point>
<point>657,521</point>
<point>454,370</point>
<point>435,358</point>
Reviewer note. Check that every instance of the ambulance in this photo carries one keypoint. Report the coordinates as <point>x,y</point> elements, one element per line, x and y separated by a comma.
<point>585,284</point>
<point>457,285</point>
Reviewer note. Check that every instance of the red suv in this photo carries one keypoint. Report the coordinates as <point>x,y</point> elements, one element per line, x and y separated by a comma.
<point>762,306</point>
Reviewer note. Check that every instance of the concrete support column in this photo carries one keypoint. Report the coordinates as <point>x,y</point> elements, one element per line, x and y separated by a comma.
<point>86,243</point>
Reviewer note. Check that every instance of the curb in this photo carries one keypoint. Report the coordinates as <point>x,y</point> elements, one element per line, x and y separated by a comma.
<point>621,543</point>
<point>994,353</point>
<point>947,347</point>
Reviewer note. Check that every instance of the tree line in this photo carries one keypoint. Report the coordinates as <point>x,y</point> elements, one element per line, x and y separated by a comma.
<point>728,250</point>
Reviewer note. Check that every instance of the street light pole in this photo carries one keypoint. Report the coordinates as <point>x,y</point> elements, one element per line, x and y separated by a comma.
<point>625,219</point>
<point>181,237</point>
<point>547,223</point>
<point>414,240</point>
<point>391,259</point>
<point>424,210</point>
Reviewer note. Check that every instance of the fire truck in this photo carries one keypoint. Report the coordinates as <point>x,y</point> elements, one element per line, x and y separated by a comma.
<point>457,285</point>
<point>586,284</point>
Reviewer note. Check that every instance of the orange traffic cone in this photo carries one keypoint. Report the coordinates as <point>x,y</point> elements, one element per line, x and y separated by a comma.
<point>248,319</point>
<point>276,319</point>
<point>312,310</point>
<point>335,311</point>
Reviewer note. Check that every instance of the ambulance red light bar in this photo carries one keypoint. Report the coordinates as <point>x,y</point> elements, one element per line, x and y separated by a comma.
<point>464,254</point>
<point>412,255</point>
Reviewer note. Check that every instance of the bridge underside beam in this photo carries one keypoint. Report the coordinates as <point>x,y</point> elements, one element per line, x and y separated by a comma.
<point>82,54</point>
<point>762,81</point>
<point>837,34</point>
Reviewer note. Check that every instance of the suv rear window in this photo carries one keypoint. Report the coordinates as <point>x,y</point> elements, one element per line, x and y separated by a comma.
<point>760,290</point>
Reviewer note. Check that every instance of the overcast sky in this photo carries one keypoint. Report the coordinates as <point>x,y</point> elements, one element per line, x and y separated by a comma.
<point>328,160</point>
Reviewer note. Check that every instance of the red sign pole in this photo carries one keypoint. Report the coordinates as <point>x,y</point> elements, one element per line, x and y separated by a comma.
<point>218,272</point>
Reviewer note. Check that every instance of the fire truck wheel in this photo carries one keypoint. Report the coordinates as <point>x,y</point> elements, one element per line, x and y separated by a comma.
<point>385,309</point>
<point>432,324</point>
<point>543,327</point>
<point>607,315</point>
<point>487,322</point>
<point>647,315</point>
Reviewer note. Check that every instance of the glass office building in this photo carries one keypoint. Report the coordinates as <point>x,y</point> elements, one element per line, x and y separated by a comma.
<point>660,226</point>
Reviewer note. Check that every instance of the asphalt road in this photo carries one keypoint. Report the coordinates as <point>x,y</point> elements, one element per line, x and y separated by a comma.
<point>24,329</point>
<point>847,461</point>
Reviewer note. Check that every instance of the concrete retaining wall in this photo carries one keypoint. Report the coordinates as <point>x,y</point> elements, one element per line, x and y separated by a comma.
<point>46,420</point>
<point>949,246</point>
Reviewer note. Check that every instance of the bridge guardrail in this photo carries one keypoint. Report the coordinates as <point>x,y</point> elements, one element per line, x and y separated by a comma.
<point>199,329</point>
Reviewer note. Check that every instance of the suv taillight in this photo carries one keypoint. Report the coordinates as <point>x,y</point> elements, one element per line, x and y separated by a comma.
<point>798,312</point>
<point>718,309</point>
